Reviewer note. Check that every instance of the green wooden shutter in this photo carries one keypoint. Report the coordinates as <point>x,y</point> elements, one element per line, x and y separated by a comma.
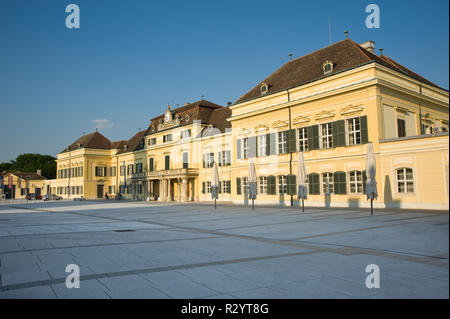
<point>313,137</point>
<point>267,144</point>
<point>340,183</point>
<point>238,148</point>
<point>220,187</point>
<point>292,141</point>
<point>314,187</point>
<point>203,187</point>
<point>220,158</point>
<point>204,160</point>
<point>167,162</point>
<point>252,147</point>
<point>238,186</point>
<point>364,176</point>
<point>271,185</point>
<point>364,131</point>
<point>151,164</point>
<point>339,133</point>
<point>292,184</point>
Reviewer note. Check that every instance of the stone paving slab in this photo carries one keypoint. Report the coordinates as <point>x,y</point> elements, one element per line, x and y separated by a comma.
<point>195,251</point>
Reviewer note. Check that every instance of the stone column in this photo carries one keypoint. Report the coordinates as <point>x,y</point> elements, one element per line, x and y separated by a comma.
<point>162,190</point>
<point>192,190</point>
<point>169,195</point>
<point>184,190</point>
<point>179,189</point>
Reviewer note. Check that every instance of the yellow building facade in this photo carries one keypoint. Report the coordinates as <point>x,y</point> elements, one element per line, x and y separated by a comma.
<point>328,104</point>
<point>17,185</point>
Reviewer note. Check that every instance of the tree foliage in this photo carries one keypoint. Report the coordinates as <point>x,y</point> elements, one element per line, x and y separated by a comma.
<point>30,162</point>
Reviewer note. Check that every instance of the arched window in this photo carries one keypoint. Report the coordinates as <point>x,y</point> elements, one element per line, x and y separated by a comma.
<point>405,180</point>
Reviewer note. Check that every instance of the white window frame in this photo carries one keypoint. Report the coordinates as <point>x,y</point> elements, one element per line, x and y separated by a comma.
<point>245,185</point>
<point>209,159</point>
<point>354,134</point>
<point>405,181</point>
<point>226,187</point>
<point>262,145</point>
<point>262,184</point>
<point>302,136</point>
<point>282,142</point>
<point>326,140</point>
<point>356,182</point>
<point>282,184</point>
<point>244,147</point>
<point>330,178</point>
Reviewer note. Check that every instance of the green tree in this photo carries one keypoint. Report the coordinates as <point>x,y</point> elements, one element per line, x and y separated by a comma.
<point>30,162</point>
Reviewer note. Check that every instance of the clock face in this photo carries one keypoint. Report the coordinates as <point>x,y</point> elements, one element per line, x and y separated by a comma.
<point>167,117</point>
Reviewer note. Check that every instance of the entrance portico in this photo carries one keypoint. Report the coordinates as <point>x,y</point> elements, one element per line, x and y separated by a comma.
<point>172,185</point>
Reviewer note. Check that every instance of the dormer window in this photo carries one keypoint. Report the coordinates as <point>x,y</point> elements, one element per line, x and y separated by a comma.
<point>327,67</point>
<point>264,88</point>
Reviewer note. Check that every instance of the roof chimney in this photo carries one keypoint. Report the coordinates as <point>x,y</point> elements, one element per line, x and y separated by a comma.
<point>38,172</point>
<point>369,46</point>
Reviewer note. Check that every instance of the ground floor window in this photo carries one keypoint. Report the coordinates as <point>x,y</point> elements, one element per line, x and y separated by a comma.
<point>263,184</point>
<point>226,187</point>
<point>282,184</point>
<point>356,182</point>
<point>405,180</point>
<point>327,183</point>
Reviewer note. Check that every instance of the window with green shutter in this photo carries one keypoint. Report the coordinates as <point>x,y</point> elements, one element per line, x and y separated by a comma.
<point>151,164</point>
<point>314,184</point>
<point>340,183</point>
<point>167,162</point>
<point>238,186</point>
<point>203,187</point>
<point>273,143</point>
<point>292,184</point>
<point>185,160</point>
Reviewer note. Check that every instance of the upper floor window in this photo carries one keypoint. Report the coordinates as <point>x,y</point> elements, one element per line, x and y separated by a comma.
<point>167,162</point>
<point>167,138</point>
<point>262,145</point>
<point>405,180</point>
<point>185,159</point>
<point>401,127</point>
<point>224,158</point>
<point>244,147</point>
<point>354,131</point>
<point>151,164</point>
<point>282,142</point>
<point>356,182</point>
<point>208,159</point>
<point>100,171</point>
<point>185,133</point>
<point>139,168</point>
<point>151,141</point>
<point>326,131</point>
<point>303,139</point>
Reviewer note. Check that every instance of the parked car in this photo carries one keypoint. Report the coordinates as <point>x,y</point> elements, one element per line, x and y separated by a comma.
<point>33,196</point>
<point>79,198</point>
<point>51,197</point>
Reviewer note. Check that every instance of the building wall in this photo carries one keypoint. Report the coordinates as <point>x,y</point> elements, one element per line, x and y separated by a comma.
<point>371,92</point>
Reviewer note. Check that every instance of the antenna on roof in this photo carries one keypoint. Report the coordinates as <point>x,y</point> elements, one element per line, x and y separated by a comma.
<point>381,51</point>
<point>346,34</point>
<point>329,26</point>
<point>290,56</point>
<point>203,97</point>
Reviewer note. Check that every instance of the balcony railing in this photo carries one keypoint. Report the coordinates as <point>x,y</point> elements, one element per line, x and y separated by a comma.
<point>174,172</point>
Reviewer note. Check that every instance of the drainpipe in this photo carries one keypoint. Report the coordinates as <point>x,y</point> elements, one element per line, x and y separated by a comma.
<point>290,152</point>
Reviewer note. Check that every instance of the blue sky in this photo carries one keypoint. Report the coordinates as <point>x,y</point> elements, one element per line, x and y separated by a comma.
<point>130,58</point>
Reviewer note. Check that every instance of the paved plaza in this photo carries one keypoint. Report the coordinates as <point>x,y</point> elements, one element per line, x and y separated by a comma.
<point>154,250</point>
